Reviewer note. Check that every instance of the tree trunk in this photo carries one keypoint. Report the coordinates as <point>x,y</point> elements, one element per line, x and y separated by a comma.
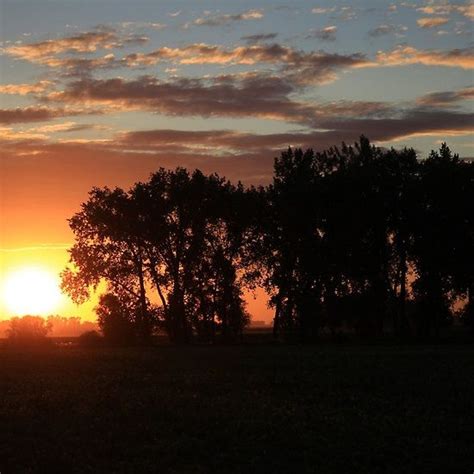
<point>402,317</point>
<point>144,326</point>
<point>277,317</point>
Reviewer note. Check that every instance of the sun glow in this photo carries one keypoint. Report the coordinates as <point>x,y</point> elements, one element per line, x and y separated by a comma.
<point>31,290</point>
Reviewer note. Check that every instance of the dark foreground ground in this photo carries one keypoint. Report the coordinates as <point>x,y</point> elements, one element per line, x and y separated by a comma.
<point>242,409</point>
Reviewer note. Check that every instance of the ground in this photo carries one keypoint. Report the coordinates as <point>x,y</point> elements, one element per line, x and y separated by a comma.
<point>239,409</point>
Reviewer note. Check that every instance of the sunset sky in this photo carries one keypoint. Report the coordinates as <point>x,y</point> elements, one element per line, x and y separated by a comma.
<point>102,92</point>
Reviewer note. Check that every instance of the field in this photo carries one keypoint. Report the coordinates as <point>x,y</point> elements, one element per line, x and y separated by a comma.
<point>239,409</point>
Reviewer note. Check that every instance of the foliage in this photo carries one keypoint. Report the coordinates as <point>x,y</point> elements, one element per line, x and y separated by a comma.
<point>349,236</point>
<point>176,237</point>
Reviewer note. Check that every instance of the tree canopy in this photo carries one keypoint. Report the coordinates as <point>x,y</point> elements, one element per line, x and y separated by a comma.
<point>356,236</point>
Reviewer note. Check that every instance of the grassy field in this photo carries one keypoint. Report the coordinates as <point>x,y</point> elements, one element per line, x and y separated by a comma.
<point>241,409</point>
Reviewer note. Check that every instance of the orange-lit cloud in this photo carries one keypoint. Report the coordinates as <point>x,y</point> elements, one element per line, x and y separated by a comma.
<point>306,67</point>
<point>446,9</point>
<point>25,89</point>
<point>431,22</point>
<point>405,55</point>
<point>87,42</point>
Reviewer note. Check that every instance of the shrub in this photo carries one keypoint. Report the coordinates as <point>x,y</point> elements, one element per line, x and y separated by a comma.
<point>90,339</point>
<point>115,320</point>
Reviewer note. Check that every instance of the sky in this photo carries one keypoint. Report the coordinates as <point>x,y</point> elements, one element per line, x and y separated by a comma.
<point>103,92</point>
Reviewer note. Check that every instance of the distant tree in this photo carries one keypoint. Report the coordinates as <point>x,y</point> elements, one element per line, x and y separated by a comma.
<point>28,331</point>
<point>69,326</point>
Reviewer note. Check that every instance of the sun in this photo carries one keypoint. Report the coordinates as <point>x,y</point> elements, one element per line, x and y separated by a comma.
<point>31,291</point>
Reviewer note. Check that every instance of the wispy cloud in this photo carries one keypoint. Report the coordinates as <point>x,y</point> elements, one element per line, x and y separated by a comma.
<point>224,19</point>
<point>88,42</point>
<point>405,55</point>
<point>327,33</point>
<point>25,89</point>
<point>322,10</point>
<point>447,97</point>
<point>447,8</point>
<point>252,39</point>
<point>431,22</point>
<point>388,29</point>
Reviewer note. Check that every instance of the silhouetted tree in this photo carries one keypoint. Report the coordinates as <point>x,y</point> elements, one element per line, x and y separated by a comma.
<point>433,240</point>
<point>161,238</point>
<point>107,247</point>
<point>347,236</point>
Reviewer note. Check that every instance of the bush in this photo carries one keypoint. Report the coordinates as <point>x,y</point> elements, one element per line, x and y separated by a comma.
<point>90,339</point>
<point>115,321</point>
<point>28,331</point>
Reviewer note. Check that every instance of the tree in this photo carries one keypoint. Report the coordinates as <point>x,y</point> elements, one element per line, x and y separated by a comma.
<point>289,248</point>
<point>159,242</point>
<point>28,331</point>
<point>107,248</point>
<point>439,228</point>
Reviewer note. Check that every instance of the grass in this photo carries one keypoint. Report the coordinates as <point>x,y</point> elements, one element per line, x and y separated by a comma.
<point>240,409</point>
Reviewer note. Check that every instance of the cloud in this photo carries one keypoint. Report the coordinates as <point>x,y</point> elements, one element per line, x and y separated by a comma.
<point>249,95</point>
<point>65,127</point>
<point>30,114</point>
<point>332,131</point>
<point>447,97</point>
<point>77,66</point>
<point>314,67</point>
<point>446,9</point>
<point>88,42</point>
<point>431,22</point>
<point>388,29</point>
<point>405,55</point>
<point>412,123</point>
<point>25,89</point>
<point>42,113</point>
<point>226,19</point>
<point>321,10</point>
<point>258,38</point>
<point>346,13</point>
<point>327,33</point>
<point>259,96</point>
<point>343,13</point>
<point>143,24</point>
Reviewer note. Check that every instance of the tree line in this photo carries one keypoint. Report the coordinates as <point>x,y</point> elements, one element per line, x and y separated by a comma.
<point>353,237</point>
